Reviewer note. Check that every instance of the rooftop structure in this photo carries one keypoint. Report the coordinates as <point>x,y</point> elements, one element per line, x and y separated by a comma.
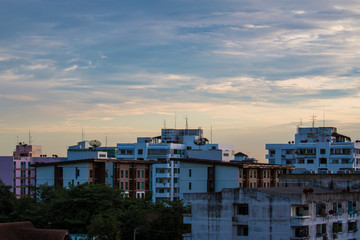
<point>320,149</point>
<point>90,149</point>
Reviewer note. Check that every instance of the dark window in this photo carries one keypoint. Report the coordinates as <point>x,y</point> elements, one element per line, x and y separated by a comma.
<point>189,172</point>
<point>242,230</point>
<point>242,209</point>
<point>323,160</point>
<point>322,151</point>
<point>122,173</point>
<point>126,173</point>
<point>140,151</point>
<point>310,161</point>
<point>189,185</point>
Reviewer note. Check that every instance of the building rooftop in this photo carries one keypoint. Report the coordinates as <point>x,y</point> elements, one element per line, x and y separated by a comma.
<point>242,164</point>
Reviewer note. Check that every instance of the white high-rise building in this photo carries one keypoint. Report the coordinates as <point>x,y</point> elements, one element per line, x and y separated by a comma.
<point>318,149</point>
<point>173,143</point>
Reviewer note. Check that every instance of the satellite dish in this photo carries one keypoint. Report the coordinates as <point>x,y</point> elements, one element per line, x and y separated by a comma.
<point>201,141</point>
<point>95,143</point>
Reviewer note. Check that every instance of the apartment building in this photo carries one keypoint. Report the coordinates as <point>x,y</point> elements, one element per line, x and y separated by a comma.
<point>206,176</point>
<point>17,171</point>
<point>132,177</point>
<point>318,149</point>
<point>166,149</point>
<point>273,213</point>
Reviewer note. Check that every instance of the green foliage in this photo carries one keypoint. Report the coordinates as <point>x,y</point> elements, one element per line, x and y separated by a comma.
<point>98,210</point>
<point>105,226</point>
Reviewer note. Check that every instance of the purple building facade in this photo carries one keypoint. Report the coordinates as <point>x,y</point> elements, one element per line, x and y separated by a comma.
<point>17,171</point>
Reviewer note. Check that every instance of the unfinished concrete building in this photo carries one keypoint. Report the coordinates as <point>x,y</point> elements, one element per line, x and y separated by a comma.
<point>273,213</point>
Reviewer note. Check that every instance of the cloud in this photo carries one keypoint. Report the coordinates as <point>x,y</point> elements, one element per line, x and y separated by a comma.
<point>72,68</point>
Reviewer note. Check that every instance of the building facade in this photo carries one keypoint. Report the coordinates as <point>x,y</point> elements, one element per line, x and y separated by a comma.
<point>273,213</point>
<point>17,170</point>
<point>132,177</point>
<point>166,149</point>
<point>207,176</point>
<point>318,149</point>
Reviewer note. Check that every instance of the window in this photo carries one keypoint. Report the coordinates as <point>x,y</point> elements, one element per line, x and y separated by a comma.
<point>242,209</point>
<point>242,230</point>
<point>189,172</point>
<point>189,185</point>
<point>321,210</point>
<point>345,161</point>
<point>337,227</point>
<point>322,151</point>
<point>140,152</point>
<point>126,185</point>
<point>322,160</point>
<point>126,173</point>
<point>14,164</point>
<point>351,207</point>
<point>122,151</point>
<point>301,161</point>
<point>77,172</point>
<point>138,173</point>
<point>310,161</point>
<point>121,185</point>
<point>91,173</point>
<point>320,229</point>
<point>122,173</point>
<point>337,207</point>
<point>142,185</point>
<point>138,185</point>
<point>142,173</point>
<point>352,226</point>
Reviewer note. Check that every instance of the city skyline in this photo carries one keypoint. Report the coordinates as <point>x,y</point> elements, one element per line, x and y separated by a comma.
<point>249,70</point>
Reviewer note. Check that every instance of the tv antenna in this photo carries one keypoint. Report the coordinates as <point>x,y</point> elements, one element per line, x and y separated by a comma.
<point>313,120</point>
<point>186,123</point>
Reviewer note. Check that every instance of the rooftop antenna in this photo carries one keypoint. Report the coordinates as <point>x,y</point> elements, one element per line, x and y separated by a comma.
<point>323,117</point>
<point>300,122</point>
<point>164,124</point>
<point>82,134</point>
<point>175,120</point>
<point>106,141</point>
<point>29,138</point>
<point>186,123</point>
<point>313,120</point>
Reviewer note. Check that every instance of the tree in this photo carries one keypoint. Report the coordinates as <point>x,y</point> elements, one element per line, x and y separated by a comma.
<point>105,226</point>
<point>7,202</point>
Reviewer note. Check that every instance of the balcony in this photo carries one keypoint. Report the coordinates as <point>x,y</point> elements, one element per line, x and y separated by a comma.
<point>299,220</point>
<point>162,175</point>
<point>162,185</point>
<point>162,195</point>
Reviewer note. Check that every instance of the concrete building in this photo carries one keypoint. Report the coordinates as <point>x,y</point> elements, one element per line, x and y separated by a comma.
<point>206,176</point>
<point>17,171</point>
<point>349,182</point>
<point>172,144</point>
<point>273,213</point>
<point>133,177</point>
<point>90,149</point>
<point>318,149</point>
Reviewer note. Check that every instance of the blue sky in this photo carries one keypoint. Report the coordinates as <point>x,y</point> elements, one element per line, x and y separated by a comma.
<point>118,69</point>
